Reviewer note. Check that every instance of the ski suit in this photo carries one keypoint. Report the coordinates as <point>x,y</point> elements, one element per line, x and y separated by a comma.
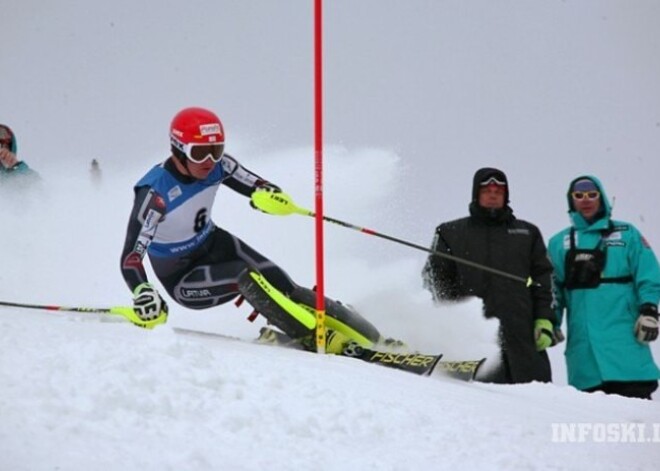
<point>198,263</point>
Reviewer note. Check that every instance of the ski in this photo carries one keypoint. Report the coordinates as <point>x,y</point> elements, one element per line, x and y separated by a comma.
<point>416,363</point>
<point>465,370</point>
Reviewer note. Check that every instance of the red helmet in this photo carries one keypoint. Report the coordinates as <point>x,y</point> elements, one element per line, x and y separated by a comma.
<point>196,126</point>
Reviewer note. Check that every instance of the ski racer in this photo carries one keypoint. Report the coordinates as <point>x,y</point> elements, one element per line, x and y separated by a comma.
<point>201,265</point>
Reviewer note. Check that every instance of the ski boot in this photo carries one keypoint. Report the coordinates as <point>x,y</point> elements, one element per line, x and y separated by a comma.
<point>335,342</point>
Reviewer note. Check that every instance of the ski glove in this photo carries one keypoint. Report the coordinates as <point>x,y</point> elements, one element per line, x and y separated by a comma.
<point>264,186</point>
<point>543,334</point>
<point>646,327</point>
<point>147,303</point>
<point>274,202</point>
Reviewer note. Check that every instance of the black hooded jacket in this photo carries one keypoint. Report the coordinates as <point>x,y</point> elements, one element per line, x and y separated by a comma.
<point>496,239</point>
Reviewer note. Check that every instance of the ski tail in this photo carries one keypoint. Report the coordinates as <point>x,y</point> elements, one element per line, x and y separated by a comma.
<point>417,363</point>
<point>464,370</point>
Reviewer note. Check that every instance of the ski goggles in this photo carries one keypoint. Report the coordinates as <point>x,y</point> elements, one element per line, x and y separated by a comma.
<point>590,195</point>
<point>198,153</point>
<point>493,181</point>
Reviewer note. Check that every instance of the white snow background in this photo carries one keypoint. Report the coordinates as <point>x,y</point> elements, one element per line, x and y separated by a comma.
<point>419,94</point>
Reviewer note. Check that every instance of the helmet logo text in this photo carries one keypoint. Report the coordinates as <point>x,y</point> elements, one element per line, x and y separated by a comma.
<point>209,129</point>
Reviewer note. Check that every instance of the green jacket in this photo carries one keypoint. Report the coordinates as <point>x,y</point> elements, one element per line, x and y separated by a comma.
<point>601,345</point>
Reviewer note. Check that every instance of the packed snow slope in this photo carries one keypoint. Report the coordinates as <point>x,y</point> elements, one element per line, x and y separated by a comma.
<point>419,94</point>
<point>79,393</point>
<point>85,391</point>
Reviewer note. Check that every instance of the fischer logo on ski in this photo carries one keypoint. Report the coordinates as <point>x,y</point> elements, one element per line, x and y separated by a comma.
<point>413,360</point>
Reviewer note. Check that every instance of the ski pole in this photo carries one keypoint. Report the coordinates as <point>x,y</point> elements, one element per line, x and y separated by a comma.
<point>122,311</point>
<point>281,204</point>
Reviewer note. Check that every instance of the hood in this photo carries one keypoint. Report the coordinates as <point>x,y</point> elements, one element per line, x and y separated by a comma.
<point>7,130</point>
<point>484,174</point>
<point>490,216</point>
<point>605,212</point>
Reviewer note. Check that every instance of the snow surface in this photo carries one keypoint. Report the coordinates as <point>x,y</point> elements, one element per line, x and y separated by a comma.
<point>83,391</point>
<point>417,99</point>
<point>81,394</point>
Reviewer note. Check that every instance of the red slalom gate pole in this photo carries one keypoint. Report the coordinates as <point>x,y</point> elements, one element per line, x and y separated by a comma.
<point>318,174</point>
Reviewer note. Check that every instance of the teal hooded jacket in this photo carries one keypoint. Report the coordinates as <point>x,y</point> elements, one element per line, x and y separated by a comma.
<point>601,345</point>
<point>21,168</point>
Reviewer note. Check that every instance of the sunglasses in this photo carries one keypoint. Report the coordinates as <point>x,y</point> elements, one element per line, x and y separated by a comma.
<point>493,181</point>
<point>590,195</point>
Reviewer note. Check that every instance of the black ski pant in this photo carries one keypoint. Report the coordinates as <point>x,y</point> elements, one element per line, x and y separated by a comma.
<point>208,276</point>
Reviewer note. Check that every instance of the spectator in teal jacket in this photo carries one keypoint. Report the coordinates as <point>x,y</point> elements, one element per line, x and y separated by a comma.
<point>10,166</point>
<point>607,279</point>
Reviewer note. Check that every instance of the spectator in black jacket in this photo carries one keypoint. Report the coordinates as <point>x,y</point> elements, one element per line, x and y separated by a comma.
<point>492,237</point>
